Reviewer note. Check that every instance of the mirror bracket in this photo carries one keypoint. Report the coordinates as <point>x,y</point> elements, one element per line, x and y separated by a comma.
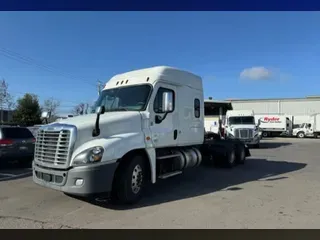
<point>96,131</point>
<point>159,119</point>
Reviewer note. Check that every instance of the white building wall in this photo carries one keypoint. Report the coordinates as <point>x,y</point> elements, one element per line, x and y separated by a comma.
<point>282,106</point>
<point>259,107</point>
<point>300,109</point>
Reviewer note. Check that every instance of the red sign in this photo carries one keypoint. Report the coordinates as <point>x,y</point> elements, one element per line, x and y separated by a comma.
<point>271,119</point>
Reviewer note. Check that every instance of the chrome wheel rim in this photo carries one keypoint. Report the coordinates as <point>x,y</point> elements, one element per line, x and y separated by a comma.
<point>232,157</point>
<point>243,154</point>
<point>136,181</point>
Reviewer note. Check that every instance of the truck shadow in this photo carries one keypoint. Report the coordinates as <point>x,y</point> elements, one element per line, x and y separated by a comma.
<point>206,180</point>
<point>270,145</point>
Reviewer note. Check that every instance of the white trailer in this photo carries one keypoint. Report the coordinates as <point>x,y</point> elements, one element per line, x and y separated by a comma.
<point>272,125</point>
<point>149,124</point>
<point>215,114</point>
<point>311,128</point>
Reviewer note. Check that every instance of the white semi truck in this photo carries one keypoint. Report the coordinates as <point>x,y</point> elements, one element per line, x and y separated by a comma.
<point>149,125</point>
<point>240,124</point>
<point>308,129</point>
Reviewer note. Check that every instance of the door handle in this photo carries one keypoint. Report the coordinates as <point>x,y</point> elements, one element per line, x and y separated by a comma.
<point>175,134</point>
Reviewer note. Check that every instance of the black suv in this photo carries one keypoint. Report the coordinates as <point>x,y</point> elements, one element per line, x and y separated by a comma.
<point>16,144</point>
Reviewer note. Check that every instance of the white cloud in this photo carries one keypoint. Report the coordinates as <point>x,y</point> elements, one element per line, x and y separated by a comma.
<point>256,73</point>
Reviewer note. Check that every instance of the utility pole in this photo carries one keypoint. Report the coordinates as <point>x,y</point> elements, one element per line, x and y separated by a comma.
<point>3,95</point>
<point>99,86</point>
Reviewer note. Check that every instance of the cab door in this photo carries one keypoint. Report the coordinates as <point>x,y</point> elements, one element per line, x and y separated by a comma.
<point>309,129</point>
<point>164,125</point>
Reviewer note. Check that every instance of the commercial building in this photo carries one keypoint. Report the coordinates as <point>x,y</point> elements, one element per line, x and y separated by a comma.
<point>299,108</point>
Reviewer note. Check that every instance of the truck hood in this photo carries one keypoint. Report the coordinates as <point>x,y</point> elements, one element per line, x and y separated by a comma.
<point>111,123</point>
<point>297,129</point>
<point>242,126</point>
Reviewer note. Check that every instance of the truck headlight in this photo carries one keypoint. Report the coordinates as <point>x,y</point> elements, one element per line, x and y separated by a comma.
<point>91,155</point>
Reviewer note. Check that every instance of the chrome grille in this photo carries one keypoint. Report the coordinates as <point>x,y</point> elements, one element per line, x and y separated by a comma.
<point>52,147</point>
<point>243,133</point>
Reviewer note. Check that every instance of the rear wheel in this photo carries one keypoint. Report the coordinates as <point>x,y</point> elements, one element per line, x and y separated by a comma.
<point>241,155</point>
<point>230,160</point>
<point>129,181</point>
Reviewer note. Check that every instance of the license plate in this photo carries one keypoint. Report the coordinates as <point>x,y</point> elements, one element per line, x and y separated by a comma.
<point>23,148</point>
<point>46,177</point>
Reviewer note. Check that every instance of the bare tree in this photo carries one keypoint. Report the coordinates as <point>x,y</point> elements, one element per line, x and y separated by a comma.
<point>51,105</point>
<point>6,99</point>
<point>79,109</point>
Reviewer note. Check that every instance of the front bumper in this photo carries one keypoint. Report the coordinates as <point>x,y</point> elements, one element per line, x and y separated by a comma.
<point>96,179</point>
<point>252,141</point>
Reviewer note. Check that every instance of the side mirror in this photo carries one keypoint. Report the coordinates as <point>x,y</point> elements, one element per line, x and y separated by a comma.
<point>100,110</point>
<point>259,122</point>
<point>45,115</point>
<point>167,101</point>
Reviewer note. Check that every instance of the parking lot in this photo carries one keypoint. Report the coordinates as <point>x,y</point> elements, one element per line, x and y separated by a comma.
<point>278,187</point>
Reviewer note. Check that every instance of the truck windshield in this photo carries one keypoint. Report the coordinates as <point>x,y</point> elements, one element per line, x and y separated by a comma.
<point>241,120</point>
<point>129,98</point>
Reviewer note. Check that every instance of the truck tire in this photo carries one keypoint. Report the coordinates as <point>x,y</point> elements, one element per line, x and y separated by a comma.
<point>265,134</point>
<point>230,159</point>
<point>241,155</point>
<point>300,135</point>
<point>129,182</point>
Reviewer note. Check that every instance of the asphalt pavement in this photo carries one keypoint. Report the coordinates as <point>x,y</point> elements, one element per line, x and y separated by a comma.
<point>278,187</point>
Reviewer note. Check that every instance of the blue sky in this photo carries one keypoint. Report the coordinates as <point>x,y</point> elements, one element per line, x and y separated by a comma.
<point>238,54</point>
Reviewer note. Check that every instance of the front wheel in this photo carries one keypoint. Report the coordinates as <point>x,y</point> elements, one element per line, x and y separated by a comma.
<point>130,180</point>
<point>300,135</point>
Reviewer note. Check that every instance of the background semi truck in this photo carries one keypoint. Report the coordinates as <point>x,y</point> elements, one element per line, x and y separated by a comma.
<point>149,125</point>
<point>240,124</point>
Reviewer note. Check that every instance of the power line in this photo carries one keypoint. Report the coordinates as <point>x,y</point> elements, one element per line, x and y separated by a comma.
<point>30,61</point>
<point>56,99</point>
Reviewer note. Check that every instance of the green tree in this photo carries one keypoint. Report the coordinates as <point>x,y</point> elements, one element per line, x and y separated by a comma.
<point>28,111</point>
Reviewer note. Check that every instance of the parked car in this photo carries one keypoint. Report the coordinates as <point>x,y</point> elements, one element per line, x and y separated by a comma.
<point>16,144</point>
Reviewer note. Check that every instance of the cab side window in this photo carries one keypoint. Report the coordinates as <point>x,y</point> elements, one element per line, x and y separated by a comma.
<point>157,104</point>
